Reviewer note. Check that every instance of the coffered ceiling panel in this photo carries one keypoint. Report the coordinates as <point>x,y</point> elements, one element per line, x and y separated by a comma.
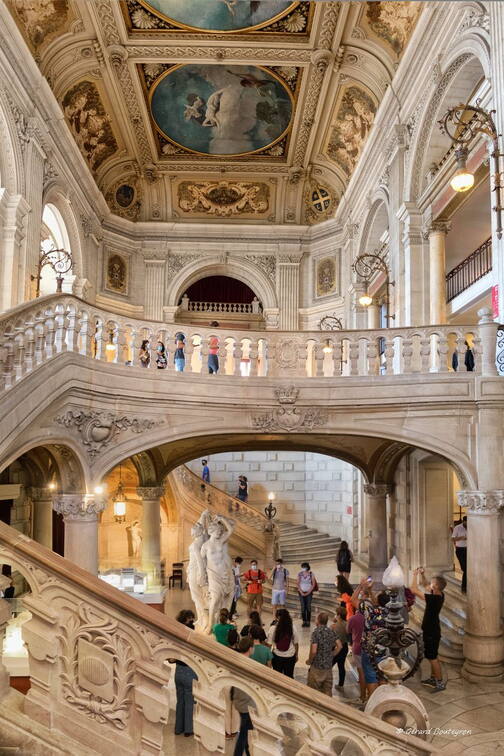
<point>218,109</point>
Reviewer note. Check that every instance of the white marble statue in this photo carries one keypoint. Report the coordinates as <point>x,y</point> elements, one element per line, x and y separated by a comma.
<point>210,574</point>
<point>136,537</point>
<point>196,570</point>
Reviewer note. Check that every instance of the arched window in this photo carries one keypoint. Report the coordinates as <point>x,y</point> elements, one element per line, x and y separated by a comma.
<point>54,236</point>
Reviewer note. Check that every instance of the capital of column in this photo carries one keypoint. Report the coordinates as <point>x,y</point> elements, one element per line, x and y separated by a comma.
<point>439,227</point>
<point>79,507</point>
<point>37,493</point>
<point>482,502</point>
<point>377,489</point>
<point>150,493</point>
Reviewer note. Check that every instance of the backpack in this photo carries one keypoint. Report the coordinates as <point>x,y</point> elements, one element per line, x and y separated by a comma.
<point>314,583</point>
<point>284,643</point>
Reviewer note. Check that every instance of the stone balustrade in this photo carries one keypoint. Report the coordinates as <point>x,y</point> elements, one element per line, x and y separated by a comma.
<point>98,673</point>
<point>38,331</point>
<point>235,308</point>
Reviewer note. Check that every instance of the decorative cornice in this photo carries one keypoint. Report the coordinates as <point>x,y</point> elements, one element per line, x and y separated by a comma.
<point>377,489</point>
<point>227,53</point>
<point>79,507</point>
<point>482,502</point>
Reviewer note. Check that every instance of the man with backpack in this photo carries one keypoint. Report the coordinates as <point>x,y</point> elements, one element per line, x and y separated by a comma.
<point>255,579</point>
<point>280,580</point>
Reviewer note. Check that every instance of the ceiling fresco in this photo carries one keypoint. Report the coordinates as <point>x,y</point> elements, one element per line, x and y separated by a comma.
<point>219,110</point>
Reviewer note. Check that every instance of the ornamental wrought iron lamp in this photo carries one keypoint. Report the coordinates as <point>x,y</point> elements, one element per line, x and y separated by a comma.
<point>119,499</point>
<point>365,267</point>
<point>60,260</point>
<point>270,511</point>
<point>461,124</point>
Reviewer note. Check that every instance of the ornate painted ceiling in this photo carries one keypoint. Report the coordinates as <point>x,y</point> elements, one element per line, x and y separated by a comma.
<point>196,110</point>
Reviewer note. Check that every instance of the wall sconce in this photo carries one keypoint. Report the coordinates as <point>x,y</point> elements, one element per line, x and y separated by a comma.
<point>365,266</point>
<point>327,348</point>
<point>119,500</point>
<point>462,180</point>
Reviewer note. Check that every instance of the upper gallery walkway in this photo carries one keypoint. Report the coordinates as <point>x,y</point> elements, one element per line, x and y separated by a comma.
<point>70,372</point>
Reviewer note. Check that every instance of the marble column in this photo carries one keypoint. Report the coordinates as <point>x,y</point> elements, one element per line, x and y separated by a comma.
<point>288,291</point>
<point>42,502</point>
<point>80,514</point>
<point>437,271</point>
<point>154,289</point>
<point>483,641</point>
<point>151,532</point>
<point>377,523</point>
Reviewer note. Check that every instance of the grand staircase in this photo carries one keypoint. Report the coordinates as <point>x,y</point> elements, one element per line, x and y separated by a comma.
<point>298,543</point>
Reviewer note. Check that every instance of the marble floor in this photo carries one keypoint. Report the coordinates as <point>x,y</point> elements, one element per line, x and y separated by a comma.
<point>465,719</point>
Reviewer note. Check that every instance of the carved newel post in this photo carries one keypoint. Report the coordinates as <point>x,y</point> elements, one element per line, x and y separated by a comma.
<point>80,514</point>
<point>151,532</point>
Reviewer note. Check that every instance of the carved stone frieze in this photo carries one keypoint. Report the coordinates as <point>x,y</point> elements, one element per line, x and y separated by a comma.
<point>287,394</point>
<point>377,489</point>
<point>482,502</point>
<point>228,53</point>
<point>267,263</point>
<point>474,20</point>
<point>177,262</point>
<point>289,419</point>
<point>97,429</point>
<point>223,198</point>
<point>150,493</point>
<point>98,667</point>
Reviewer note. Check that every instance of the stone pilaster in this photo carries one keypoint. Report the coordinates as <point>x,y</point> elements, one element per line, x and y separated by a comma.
<point>288,290</point>
<point>12,216</point>
<point>377,523</point>
<point>5,615</point>
<point>42,501</point>
<point>496,26</point>
<point>409,309</point>
<point>154,288</point>
<point>35,158</point>
<point>80,514</point>
<point>483,641</point>
<point>437,271</point>
<point>151,532</point>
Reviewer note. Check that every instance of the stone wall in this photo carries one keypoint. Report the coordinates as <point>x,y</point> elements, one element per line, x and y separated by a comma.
<point>309,488</point>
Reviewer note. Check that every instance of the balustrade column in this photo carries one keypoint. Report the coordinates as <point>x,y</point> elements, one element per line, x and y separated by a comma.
<point>80,514</point>
<point>288,291</point>
<point>437,271</point>
<point>377,523</point>
<point>42,502</point>
<point>483,641</point>
<point>154,288</point>
<point>151,532</point>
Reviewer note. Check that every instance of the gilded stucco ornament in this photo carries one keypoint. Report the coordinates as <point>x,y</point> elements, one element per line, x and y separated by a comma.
<point>223,199</point>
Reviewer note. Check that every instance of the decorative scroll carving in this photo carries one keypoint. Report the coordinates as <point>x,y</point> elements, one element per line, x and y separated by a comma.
<point>267,263</point>
<point>482,502</point>
<point>98,428</point>
<point>223,198</point>
<point>289,419</point>
<point>98,667</point>
<point>82,507</point>
<point>177,262</point>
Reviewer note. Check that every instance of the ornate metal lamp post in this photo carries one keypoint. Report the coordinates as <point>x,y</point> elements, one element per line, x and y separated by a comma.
<point>461,124</point>
<point>270,510</point>
<point>365,266</point>
<point>60,261</point>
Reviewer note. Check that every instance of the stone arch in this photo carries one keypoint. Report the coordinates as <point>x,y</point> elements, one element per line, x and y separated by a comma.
<point>67,456</point>
<point>11,159</point>
<point>56,197</point>
<point>424,149</point>
<point>243,270</point>
<point>376,223</point>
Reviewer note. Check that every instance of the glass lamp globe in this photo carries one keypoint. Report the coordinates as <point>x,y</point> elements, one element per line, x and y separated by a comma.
<point>271,496</point>
<point>119,508</point>
<point>327,348</point>
<point>462,180</point>
<point>365,300</point>
<point>393,577</point>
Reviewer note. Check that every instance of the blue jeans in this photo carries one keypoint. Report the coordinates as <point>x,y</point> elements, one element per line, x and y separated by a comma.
<point>242,745</point>
<point>179,364</point>
<point>184,677</point>
<point>306,602</point>
<point>213,363</point>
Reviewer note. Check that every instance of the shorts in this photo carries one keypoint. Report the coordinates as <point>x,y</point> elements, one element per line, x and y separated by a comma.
<point>370,675</point>
<point>431,645</point>
<point>278,598</point>
<point>356,661</point>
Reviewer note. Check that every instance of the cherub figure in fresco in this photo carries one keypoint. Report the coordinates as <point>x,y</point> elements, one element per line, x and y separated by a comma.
<point>193,108</point>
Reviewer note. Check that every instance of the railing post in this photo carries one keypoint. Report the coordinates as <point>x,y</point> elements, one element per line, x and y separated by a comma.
<point>353,355</point>
<point>488,335</point>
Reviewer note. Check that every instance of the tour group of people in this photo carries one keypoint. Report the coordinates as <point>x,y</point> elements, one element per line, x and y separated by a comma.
<point>179,357</point>
<point>358,612</point>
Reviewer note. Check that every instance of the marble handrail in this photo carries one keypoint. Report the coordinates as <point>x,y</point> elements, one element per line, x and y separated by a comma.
<point>108,687</point>
<point>38,331</point>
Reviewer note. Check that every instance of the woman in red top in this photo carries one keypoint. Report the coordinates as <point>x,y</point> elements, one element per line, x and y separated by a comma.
<point>345,590</point>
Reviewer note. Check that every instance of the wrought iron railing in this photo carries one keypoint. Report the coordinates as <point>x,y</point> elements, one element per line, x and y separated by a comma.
<point>470,270</point>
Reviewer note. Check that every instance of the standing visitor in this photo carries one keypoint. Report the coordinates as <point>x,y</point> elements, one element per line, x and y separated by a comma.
<point>355,630</point>
<point>179,356</point>
<point>306,585</point>
<point>431,628</point>
<point>222,627</point>
<point>184,677</point>
<point>284,643</point>
<point>340,629</point>
<point>459,538</point>
<point>469,358</point>
<point>237,586</point>
<point>205,473</point>
<point>280,580</point>
<point>323,646</point>
<point>262,652</point>
<point>144,354</point>
<point>213,351</point>
<point>242,702</point>
<point>255,579</point>
<point>254,619</point>
<point>346,592</point>
<point>344,560</point>
<point>242,488</point>
<point>161,360</point>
